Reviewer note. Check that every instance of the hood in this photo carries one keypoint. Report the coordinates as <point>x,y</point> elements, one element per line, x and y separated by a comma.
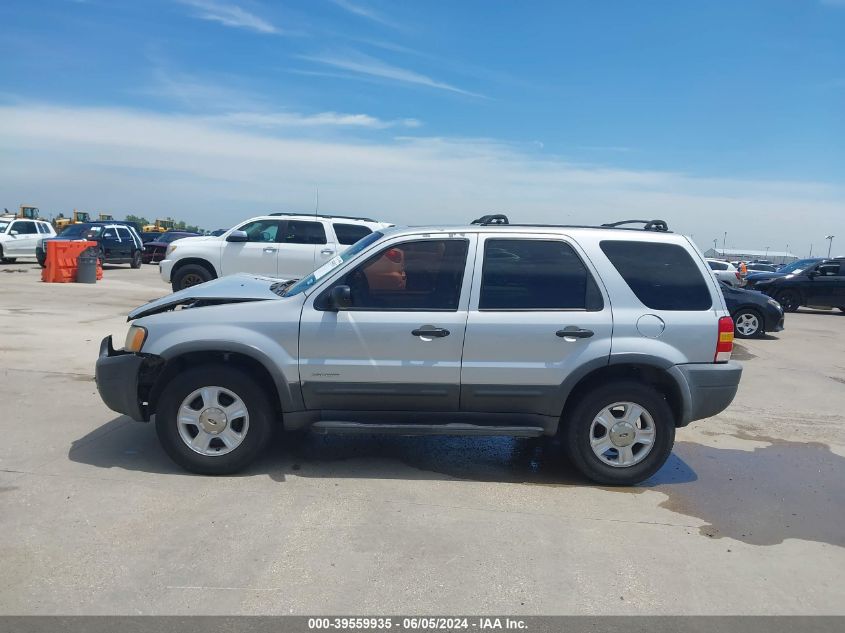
<point>763,274</point>
<point>231,289</point>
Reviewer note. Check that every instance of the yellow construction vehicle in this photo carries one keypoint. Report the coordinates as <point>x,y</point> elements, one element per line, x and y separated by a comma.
<point>79,217</point>
<point>25,212</point>
<point>160,226</point>
<point>105,217</point>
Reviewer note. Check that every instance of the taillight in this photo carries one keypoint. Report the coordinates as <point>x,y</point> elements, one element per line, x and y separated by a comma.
<point>725,343</point>
<point>394,255</point>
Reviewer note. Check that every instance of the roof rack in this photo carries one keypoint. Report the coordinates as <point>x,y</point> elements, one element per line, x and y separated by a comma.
<point>494,218</point>
<point>320,215</point>
<point>648,225</point>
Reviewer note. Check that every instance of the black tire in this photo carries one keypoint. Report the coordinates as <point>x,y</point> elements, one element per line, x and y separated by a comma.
<point>842,308</point>
<point>190,275</point>
<point>6,260</point>
<point>576,432</point>
<point>258,434</point>
<point>749,313</point>
<point>789,300</point>
<point>136,260</point>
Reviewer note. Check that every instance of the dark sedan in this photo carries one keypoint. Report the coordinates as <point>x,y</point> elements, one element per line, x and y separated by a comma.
<point>795,267</point>
<point>154,250</point>
<point>753,313</point>
<point>819,286</point>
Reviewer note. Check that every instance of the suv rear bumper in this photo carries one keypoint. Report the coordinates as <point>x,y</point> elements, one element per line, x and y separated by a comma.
<point>710,388</point>
<point>117,374</point>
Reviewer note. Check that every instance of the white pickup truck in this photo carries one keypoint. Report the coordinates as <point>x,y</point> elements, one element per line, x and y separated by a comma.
<point>283,245</point>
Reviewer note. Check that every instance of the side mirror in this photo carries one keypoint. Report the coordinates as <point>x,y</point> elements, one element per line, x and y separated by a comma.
<point>340,298</point>
<point>238,236</point>
<point>814,273</point>
<point>13,232</point>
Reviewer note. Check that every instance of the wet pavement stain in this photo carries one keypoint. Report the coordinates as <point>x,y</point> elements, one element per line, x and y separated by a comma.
<point>760,497</point>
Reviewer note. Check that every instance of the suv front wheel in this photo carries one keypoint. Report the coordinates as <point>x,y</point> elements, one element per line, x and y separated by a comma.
<point>214,420</point>
<point>620,433</point>
<point>190,275</point>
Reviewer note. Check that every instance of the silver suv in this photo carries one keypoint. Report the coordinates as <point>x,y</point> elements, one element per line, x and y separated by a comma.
<point>608,337</point>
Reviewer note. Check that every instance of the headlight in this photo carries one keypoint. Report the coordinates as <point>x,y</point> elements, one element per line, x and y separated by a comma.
<point>774,303</point>
<point>170,249</point>
<point>135,338</point>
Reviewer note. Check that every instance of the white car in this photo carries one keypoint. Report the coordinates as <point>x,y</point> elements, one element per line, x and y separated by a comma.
<point>723,271</point>
<point>282,245</point>
<point>19,237</point>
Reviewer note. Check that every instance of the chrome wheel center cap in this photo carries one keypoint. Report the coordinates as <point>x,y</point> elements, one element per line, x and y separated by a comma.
<point>213,420</point>
<point>623,434</point>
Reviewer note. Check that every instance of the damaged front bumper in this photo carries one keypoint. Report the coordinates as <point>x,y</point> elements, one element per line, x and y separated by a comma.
<point>119,375</point>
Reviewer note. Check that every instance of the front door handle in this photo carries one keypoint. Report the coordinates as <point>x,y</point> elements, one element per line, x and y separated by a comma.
<point>327,251</point>
<point>270,249</point>
<point>573,331</point>
<point>434,332</point>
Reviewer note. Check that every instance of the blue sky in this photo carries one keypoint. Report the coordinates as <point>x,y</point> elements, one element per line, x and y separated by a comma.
<point>716,115</point>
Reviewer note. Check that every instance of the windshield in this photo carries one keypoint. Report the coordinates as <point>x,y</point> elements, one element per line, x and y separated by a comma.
<point>77,230</point>
<point>3,226</point>
<point>797,267</point>
<point>306,282</point>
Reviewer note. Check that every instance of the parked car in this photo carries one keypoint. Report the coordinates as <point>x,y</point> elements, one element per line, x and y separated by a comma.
<point>119,242</point>
<point>723,271</point>
<point>754,313</point>
<point>149,236</point>
<point>19,237</point>
<point>154,249</point>
<point>795,267</point>
<point>821,285</point>
<point>496,330</point>
<point>282,245</point>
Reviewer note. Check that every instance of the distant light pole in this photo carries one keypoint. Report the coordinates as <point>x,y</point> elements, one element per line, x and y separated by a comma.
<point>725,242</point>
<point>715,248</point>
<point>829,239</point>
<point>767,252</point>
<point>783,259</point>
<point>811,252</point>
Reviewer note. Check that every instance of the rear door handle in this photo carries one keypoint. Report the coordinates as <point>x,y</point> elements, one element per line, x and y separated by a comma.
<point>573,331</point>
<point>434,332</point>
<point>327,251</point>
<point>269,249</point>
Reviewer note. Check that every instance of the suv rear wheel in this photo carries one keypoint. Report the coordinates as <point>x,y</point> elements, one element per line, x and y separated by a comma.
<point>136,260</point>
<point>214,420</point>
<point>620,434</point>
<point>190,275</point>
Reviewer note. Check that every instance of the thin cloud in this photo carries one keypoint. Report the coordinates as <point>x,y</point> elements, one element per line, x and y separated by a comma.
<point>365,65</point>
<point>231,15</point>
<point>323,119</point>
<point>218,173</point>
<point>363,11</point>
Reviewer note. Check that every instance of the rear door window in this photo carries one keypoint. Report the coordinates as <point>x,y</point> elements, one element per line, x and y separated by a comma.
<point>301,232</point>
<point>350,233</point>
<point>717,266</point>
<point>530,274</point>
<point>662,276</point>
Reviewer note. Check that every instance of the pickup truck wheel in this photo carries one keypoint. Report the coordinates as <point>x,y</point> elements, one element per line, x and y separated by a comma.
<point>214,420</point>
<point>620,433</point>
<point>190,275</point>
<point>136,260</point>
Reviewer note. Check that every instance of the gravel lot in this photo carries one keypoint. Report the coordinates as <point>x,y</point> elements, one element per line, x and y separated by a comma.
<point>747,517</point>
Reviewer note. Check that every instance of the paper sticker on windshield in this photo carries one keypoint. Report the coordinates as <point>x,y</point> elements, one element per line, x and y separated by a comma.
<point>327,267</point>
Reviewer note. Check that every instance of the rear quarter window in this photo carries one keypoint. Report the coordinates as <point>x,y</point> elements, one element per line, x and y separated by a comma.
<point>662,276</point>
<point>350,233</point>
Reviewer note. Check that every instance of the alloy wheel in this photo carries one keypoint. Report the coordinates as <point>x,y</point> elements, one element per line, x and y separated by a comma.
<point>212,421</point>
<point>622,434</point>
